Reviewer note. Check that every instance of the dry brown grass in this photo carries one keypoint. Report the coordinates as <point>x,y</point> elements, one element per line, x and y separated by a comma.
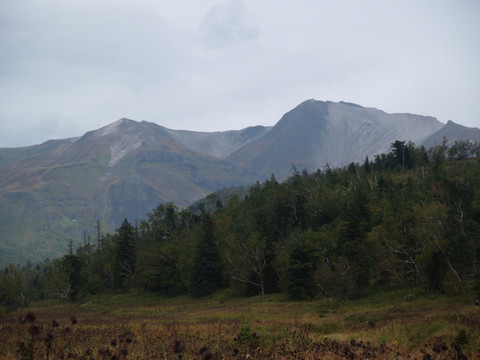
<point>257,328</point>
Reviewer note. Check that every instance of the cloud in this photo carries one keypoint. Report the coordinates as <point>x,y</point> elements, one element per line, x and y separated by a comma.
<point>228,24</point>
<point>67,67</point>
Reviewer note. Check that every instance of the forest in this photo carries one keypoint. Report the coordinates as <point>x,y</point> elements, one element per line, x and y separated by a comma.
<point>409,218</point>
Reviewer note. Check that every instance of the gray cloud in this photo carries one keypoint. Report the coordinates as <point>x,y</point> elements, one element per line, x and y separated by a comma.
<point>227,24</point>
<point>69,67</point>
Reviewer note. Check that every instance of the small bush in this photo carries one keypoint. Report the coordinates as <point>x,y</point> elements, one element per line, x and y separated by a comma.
<point>461,338</point>
<point>245,334</point>
<point>328,327</point>
<point>357,319</point>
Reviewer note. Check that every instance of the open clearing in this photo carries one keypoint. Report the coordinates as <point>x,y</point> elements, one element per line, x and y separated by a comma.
<point>393,325</point>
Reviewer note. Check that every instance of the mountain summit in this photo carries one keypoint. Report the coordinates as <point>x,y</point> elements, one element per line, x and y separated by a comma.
<point>316,133</point>
<point>55,191</point>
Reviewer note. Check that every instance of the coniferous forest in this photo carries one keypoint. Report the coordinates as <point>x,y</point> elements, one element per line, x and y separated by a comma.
<point>409,218</point>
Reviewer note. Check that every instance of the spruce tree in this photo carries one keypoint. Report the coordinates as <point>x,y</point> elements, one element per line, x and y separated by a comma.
<point>353,240</point>
<point>300,272</point>
<point>206,277</point>
<point>124,264</point>
<point>72,266</point>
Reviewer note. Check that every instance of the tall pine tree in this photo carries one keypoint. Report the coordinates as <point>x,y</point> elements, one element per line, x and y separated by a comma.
<point>206,277</point>
<point>300,271</point>
<point>353,240</point>
<point>72,266</point>
<point>124,263</point>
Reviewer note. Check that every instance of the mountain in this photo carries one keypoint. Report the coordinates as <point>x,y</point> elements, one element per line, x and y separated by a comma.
<point>218,144</point>
<point>452,132</point>
<point>53,192</point>
<point>316,133</point>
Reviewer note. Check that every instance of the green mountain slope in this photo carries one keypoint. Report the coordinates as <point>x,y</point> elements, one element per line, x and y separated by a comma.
<point>53,192</point>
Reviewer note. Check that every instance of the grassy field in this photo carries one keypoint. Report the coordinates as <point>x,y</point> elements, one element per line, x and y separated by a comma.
<point>394,325</point>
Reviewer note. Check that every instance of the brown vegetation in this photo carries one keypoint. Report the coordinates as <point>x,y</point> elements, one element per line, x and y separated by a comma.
<point>256,328</point>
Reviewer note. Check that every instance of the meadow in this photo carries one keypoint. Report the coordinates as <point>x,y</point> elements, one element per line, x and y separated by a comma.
<point>407,324</point>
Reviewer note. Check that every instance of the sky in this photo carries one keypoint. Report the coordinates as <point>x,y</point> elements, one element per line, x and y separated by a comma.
<point>71,66</point>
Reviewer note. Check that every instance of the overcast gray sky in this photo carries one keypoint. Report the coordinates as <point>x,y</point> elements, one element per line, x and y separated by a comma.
<point>69,66</point>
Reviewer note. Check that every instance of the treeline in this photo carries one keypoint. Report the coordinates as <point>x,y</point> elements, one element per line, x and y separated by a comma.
<point>403,219</point>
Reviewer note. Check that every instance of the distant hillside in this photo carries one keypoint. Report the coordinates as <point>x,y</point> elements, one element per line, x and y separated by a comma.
<point>452,132</point>
<point>218,144</point>
<point>53,192</point>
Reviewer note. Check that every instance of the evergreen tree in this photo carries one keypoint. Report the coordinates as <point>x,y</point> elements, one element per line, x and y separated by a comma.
<point>157,268</point>
<point>403,153</point>
<point>72,267</point>
<point>11,288</point>
<point>353,240</point>
<point>206,271</point>
<point>412,219</point>
<point>300,272</point>
<point>125,258</point>
<point>366,165</point>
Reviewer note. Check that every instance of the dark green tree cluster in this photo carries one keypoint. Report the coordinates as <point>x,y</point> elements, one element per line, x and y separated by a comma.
<point>206,274</point>
<point>123,267</point>
<point>409,218</point>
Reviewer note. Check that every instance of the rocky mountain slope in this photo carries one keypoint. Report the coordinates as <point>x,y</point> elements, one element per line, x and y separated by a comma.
<point>53,192</point>
<point>317,133</point>
<point>218,144</point>
<point>452,132</point>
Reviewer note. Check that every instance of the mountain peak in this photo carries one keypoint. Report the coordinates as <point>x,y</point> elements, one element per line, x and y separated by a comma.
<point>452,132</point>
<point>119,125</point>
<point>122,125</point>
<point>453,125</point>
<point>351,104</point>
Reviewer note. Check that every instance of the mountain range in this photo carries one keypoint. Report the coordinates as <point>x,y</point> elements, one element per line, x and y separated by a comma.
<point>56,191</point>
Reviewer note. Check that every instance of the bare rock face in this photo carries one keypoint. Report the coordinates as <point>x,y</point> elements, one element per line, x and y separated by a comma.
<point>318,133</point>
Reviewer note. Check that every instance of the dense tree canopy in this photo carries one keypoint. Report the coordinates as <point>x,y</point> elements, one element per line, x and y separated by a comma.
<point>407,218</point>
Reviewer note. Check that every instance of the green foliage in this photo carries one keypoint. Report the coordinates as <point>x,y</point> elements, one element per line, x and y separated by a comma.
<point>461,338</point>
<point>300,271</point>
<point>206,276</point>
<point>162,221</point>
<point>356,319</point>
<point>245,334</point>
<point>11,289</point>
<point>125,256</point>
<point>72,265</point>
<point>406,219</point>
<point>157,269</point>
